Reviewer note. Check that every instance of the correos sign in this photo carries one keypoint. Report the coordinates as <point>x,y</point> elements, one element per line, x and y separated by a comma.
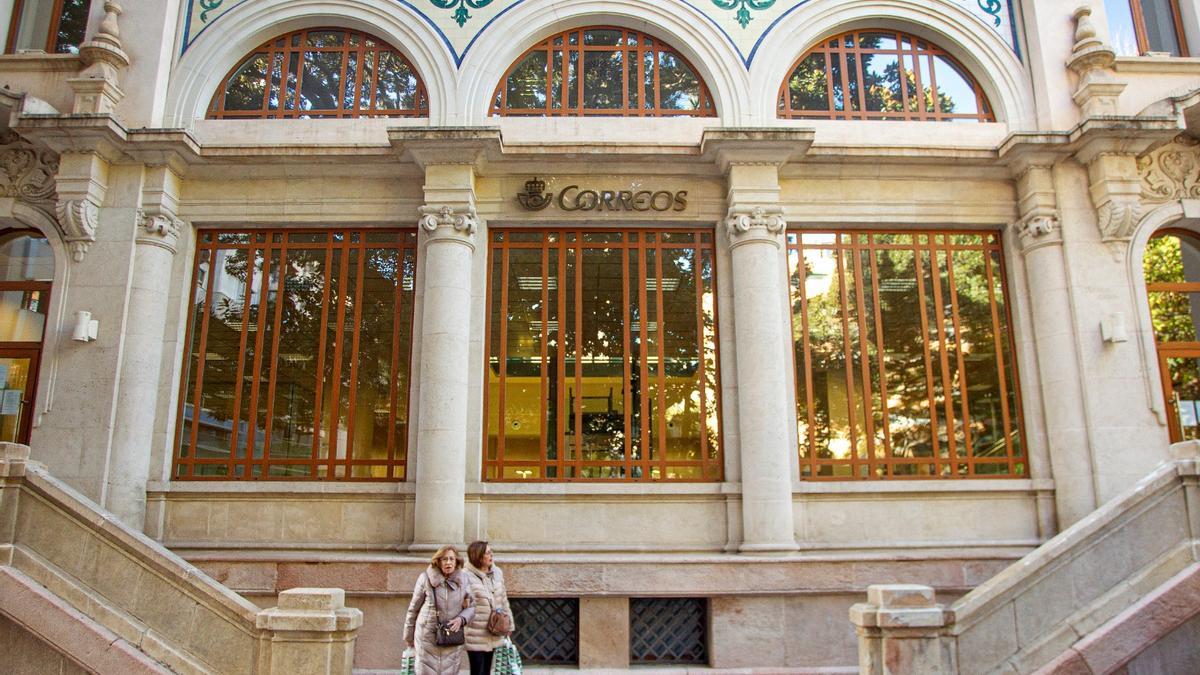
<point>575,198</point>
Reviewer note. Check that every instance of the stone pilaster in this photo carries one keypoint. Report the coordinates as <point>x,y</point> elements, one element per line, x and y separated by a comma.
<point>1039,233</point>
<point>447,234</point>
<point>157,231</point>
<point>755,226</point>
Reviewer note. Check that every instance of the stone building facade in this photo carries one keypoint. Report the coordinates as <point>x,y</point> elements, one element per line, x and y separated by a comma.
<point>706,314</point>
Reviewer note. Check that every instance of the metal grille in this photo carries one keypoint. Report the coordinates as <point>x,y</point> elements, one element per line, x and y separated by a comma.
<point>668,630</point>
<point>547,630</point>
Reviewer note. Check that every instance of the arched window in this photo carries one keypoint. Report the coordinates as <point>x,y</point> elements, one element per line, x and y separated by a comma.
<point>881,75</point>
<point>322,72</point>
<point>1171,266</point>
<point>602,71</point>
<point>26,271</point>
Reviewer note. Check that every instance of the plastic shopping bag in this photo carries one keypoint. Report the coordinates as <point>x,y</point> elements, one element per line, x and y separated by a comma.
<point>506,660</point>
<point>408,662</point>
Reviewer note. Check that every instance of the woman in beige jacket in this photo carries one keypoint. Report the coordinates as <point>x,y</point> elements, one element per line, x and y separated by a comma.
<point>443,593</point>
<point>490,595</point>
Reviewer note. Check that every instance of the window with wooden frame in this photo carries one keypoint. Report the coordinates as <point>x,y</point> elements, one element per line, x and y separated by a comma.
<point>600,71</point>
<point>904,356</point>
<point>297,363</point>
<point>52,26</point>
<point>1171,268</point>
<point>1136,27</point>
<point>881,75</point>
<point>602,357</point>
<point>321,72</point>
<point>26,276</point>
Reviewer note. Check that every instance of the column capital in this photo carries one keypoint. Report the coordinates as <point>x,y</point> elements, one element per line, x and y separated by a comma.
<point>1038,224</point>
<point>448,223</point>
<point>157,228</point>
<point>759,223</point>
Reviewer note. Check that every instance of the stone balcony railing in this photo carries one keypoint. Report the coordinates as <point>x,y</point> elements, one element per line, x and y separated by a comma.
<point>1090,600</point>
<point>112,600</point>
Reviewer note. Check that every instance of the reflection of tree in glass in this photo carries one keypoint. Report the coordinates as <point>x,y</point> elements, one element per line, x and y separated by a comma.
<point>72,25</point>
<point>904,342</point>
<point>1170,313</point>
<point>300,319</point>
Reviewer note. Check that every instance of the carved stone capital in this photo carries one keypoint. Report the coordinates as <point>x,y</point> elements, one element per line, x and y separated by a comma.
<point>445,222</point>
<point>1037,230</point>
<point>77,218</point>
<point>1171,171</point>
<point>757,223</point>
<point>158,229</point>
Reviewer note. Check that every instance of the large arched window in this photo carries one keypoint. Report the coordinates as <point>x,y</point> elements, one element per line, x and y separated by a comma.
<point>322,72</point>
<point>601,71</point>
<point>881,75</point>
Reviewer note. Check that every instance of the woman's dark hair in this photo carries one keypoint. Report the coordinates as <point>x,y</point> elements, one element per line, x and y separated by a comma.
<point>475,552</point>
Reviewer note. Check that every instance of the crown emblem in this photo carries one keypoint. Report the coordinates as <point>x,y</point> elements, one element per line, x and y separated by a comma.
<point>535,197</point>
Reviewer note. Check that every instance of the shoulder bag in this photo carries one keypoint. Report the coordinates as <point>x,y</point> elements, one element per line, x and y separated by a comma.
<point>443,636</point>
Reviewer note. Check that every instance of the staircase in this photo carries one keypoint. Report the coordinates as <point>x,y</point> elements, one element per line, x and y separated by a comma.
<point>80,589</point>
<point>1118,592</point>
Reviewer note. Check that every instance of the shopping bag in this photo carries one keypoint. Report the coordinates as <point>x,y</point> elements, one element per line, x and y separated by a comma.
<point>506,660</point>
<point>408,662</point>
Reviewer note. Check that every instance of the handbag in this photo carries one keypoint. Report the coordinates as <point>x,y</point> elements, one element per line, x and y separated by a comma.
<point>442,635</point>
<point>499,623</point>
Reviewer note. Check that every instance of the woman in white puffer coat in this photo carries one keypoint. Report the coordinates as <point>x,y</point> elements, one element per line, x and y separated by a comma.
<point>491,596</point>
<point>443,593</point>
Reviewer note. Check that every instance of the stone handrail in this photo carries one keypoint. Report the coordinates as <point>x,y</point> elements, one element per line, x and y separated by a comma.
<point>1036,610</point>
<point>164,607</point>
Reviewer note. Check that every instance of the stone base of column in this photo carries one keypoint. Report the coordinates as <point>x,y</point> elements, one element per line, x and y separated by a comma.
<point>772,548</point>
<point>311,631</point>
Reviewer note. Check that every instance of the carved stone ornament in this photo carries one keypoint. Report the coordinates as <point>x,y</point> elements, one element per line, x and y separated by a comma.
<point>433,218</point>
<point>98,87</point>
<point>1118,217</point>
<point>26,171</point>
<point>1171,171</point>
<point>759,218</point>
<point>158,229</point>
<point>77,218</point>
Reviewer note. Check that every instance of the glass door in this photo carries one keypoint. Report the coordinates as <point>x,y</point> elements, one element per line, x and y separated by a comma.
<point>17,382</point>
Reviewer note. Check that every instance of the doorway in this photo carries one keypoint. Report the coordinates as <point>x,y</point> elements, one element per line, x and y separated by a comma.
<point>26,272</point>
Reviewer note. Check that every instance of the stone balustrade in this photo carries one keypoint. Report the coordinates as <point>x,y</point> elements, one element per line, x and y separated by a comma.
<point>1061,608</point>
<point>120,600</point>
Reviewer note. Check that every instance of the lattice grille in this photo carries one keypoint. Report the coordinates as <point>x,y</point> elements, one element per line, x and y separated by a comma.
<point>668,630</point>
<point>547,630</point>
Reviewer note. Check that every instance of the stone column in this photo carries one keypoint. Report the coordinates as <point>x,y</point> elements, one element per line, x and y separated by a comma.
<point>157,234</point>
<point>448,225</point>
<point>755,226</point>
<point>899,632</point>
<point>1040,237</point>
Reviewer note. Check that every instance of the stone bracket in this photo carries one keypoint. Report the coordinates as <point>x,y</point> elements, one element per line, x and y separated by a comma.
<point>82,186</point>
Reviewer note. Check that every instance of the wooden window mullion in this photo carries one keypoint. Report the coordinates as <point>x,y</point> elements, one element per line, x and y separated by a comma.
<point>322,348</point>
<point>356,334</point>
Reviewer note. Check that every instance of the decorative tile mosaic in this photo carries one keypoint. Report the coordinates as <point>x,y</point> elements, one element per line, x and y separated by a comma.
<point>461,22</point>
